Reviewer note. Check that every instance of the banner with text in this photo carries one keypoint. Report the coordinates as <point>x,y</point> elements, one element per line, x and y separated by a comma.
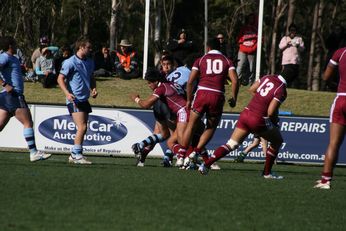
<point>111,132</point>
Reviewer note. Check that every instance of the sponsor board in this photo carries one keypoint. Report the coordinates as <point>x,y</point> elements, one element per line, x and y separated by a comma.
<point>111,132</point>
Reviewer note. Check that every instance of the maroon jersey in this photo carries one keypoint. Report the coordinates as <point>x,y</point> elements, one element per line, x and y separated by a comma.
<point>339,58</point>
<point>172,94</point>
<point>271,87</point>
<point>213,68</point>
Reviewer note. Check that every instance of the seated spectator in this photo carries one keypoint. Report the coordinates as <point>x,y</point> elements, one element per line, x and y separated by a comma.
<point>45,69</point>
<point>44,42</point>
<point>103,62</point>
<point>126,65</point>
<point>66,52</point>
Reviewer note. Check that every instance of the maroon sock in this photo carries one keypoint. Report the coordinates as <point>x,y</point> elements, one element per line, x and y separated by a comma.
<point>270,158</point>
<point>189,150</point>
<point>218,154</point>
<point>204,155</point>
<point>179,151</point>
<point>326,176</point>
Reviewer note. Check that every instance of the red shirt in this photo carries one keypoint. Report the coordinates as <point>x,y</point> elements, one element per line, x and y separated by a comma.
<point>172,94</point>
<point>339,58</point>
<point>271,87</point>
<point>213,68</point>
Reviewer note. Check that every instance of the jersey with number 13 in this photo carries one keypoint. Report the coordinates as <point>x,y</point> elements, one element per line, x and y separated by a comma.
<point>271,87</point>
<point>213,68</point>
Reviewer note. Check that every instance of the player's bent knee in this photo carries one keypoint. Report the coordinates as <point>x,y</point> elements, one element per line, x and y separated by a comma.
<point>232,144</point>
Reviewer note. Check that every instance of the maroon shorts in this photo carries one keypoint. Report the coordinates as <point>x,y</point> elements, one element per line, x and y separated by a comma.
<point>208,102</point>
<point>251,122</point>
<point>338,110</point>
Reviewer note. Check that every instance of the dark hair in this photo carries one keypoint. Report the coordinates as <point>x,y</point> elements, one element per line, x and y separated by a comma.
<point>167,58</point>
<point>6,42</point>
<point>81,43</point>
<point>213,44</point>
<point>152,75</point>
<point>292,27</point>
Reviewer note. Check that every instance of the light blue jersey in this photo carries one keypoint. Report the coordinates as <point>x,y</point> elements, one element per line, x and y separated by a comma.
<point>78,73</point>
<point>180,76</point>
<point>11,72</point>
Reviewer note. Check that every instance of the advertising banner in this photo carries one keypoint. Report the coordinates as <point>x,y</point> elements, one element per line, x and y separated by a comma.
<point>111,132</point>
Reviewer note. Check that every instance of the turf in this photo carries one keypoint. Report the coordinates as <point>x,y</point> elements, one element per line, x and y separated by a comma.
<point>113,194</point>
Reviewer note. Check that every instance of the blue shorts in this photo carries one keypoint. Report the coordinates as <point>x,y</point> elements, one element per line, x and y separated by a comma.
<point>10,102</point>
<point>79,107</point>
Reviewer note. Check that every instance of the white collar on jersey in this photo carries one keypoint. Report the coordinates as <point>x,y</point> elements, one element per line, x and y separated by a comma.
<point>282,79</point>
<point>214,52</point>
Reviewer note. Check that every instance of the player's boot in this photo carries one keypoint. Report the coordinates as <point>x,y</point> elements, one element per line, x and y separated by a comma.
<point>321,185</point>
<point>78,159</point>
<point>136,148</point>
<point>215,166</point>
<point>272,176</point>
<point>240,158</point>
<point>39,155</point>
<point>166,161</point>
<point>203,169</point>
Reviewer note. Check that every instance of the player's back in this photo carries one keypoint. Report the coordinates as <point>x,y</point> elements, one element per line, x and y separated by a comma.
<point>172,94</point>
<point>271,87</point>
<point>213,68</point>
<point>179,76</point>
<point>339,58</point>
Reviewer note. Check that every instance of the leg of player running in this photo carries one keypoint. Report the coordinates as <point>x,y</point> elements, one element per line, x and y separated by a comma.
<point>4,118</point>
<point>336,136</point>
<point>23,115</point>
<point>237,138</point>
<point>274,137</point>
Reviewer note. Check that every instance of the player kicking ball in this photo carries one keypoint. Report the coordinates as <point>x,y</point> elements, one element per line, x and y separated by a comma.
<point>259,117</point>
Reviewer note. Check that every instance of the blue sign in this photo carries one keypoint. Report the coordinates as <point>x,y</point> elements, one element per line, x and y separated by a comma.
<point>305,138</point>
<point>101,130</point>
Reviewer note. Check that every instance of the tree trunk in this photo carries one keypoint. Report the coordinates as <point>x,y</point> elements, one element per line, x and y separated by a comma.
<point>312,46</point>
<point>168,9</point>
<point>157,31</point>
<point>291,13</point>
<point>27,20</point>
<point>280,10</point>
<point>113,24</point>
<point>316,74</point>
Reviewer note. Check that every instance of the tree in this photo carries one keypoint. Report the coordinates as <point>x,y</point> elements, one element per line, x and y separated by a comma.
<point>113,23</point>
<point>279,13</point>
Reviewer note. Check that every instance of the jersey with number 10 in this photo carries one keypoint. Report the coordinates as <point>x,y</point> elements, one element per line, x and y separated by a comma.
<point>213,68</point>
<point>271,87</point>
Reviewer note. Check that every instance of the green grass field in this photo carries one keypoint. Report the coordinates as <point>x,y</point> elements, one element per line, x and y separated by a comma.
<point>113,194</point>
<point>114,92</point>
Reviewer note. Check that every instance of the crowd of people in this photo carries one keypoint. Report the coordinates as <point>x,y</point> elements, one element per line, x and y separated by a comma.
<point>181,96</point>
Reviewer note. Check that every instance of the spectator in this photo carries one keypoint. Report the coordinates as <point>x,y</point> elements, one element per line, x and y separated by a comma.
<point>66,52</point>
<point>181,47</point>
<point>12,100</point>
<point>291,46</point>
<point>103,62</point>
<point>223,45</point>
<point>126,63</point>
<point>44,42</point>
<point>247,41</point>
<point>45,68</point>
